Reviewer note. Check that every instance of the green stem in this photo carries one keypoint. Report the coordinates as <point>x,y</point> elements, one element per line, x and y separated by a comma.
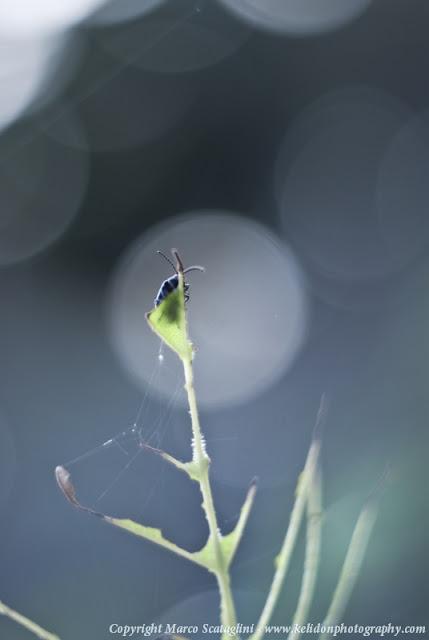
<point>202,462</point>
<point>352,564</point>
<point>25,622</point>
<point>285,554</point>
<point>154,535</point>
<point>312,554</point>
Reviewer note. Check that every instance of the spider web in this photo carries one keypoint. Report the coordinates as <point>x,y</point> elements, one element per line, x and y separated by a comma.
<point>123,474</point>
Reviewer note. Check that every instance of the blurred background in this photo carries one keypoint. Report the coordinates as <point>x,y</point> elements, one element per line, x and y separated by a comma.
<point>284,145</point>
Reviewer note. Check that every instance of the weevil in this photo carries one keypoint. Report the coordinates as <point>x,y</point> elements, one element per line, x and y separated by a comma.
<point>171,283</point>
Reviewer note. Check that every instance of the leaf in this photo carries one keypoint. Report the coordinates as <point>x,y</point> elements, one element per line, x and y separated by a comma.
<point>230,542</point>
<point>168,321</point>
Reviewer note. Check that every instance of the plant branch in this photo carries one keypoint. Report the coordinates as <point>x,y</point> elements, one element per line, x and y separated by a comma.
<point>231,541</point>
<point>312,553</point>
<point>25,622</point>
<point>202,462</point>
<point>283,559</point>
<point>154,535</point>
<point>352,563</point>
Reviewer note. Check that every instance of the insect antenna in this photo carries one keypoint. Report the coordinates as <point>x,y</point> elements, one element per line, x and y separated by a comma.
<point>195,267</point>
<point>178,268</point>
<point>179,263</point>
<point>168,260</point>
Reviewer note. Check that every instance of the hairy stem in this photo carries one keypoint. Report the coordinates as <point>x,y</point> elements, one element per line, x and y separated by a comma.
<point>285,554</point>
<point>352,564</point>
<point>312,553</point>
<point>25,622</point>
<point>202,461</point>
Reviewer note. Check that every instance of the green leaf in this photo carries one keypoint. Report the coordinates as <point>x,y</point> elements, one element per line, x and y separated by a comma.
<point>230,542</point>
<point>168,320</point>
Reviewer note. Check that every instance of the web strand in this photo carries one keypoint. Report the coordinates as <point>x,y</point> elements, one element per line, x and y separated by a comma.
<point>131,442</point>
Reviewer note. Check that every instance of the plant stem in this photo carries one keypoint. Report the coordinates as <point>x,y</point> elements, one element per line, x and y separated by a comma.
<point>312,553</point>
<point>155,536</point>
<point>352,564</point>
<point>285,554</point>
<point>201,459</point>
<point>25,622</point>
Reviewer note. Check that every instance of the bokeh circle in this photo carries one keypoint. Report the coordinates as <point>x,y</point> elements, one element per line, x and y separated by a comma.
<point>42,185</point>
<point>8,461</point>
<point>247,312</point>
<point>297,17</point>
<point>327,186</point>
<point>180,37</point>
<point>403,191</point>
<point>27,18</point>
<point>114,12</point>
<point>33,70</point>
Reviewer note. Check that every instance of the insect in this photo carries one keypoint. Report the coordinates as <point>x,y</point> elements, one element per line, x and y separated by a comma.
<point>171,283</point>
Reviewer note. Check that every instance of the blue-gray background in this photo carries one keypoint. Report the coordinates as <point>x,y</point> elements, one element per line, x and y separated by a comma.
<point>181,134</point>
